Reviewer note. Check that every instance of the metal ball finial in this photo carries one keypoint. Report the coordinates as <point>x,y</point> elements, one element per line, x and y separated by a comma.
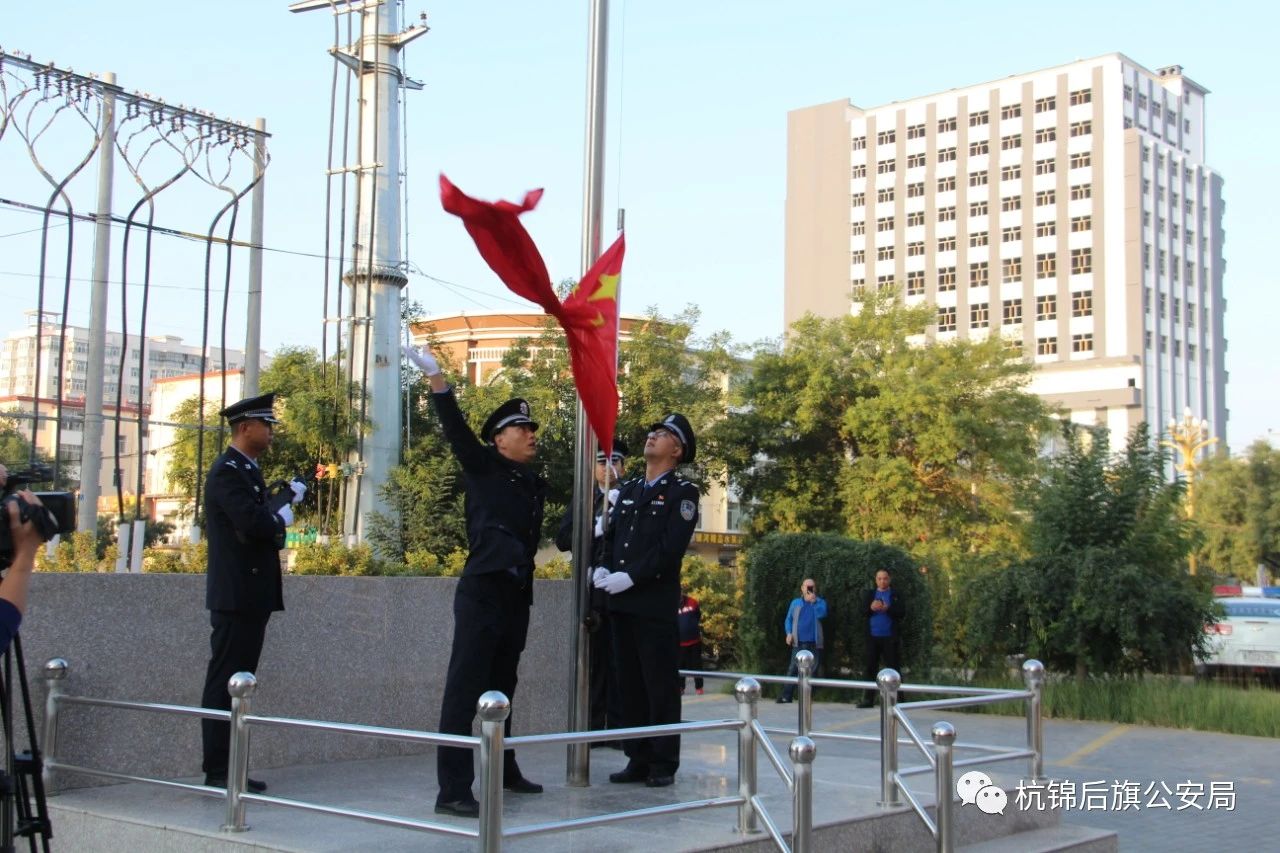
<point>1033,671</point>
<point>804,661</point>
<point>746,690</point>
<point>803,750</point>
<point>889,678</point>
<point>944,734</point>
<point>56,668</point>
<point>493,706</point>
<point>242,684</point>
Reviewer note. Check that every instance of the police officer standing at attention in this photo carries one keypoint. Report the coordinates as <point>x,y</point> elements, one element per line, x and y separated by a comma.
<point>606,701</point>
<point>504,502</point>
<point>649,530</point>
<point>243,586</point>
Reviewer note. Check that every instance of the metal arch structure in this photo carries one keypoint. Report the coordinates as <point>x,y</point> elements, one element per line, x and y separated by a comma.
<point>161,146</point>
<point>377,271</point>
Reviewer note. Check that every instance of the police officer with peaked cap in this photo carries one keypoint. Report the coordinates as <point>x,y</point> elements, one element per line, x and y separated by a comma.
<point>605,699</point>
<point>242,586</point>
<point>648,533</point>
<point>504,504</point>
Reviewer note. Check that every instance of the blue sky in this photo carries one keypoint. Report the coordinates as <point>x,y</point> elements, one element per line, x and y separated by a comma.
<point>696,135</point>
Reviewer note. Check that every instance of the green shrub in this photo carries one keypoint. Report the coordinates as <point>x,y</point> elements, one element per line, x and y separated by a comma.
<point>334,558</point>
<point>185,559</point>
<point>77,553</point>
<point>843,569</point>
<point>557,568</point>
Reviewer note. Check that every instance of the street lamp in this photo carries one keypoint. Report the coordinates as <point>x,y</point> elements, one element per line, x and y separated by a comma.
<point>1189,436</point>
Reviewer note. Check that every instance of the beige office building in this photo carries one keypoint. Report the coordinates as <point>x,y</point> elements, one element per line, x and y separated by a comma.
<point>1069,210</point>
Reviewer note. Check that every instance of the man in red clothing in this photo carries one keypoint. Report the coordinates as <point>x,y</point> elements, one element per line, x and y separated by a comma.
<point>689,619</point>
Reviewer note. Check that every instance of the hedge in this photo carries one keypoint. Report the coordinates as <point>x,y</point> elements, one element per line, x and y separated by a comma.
<point>843,569</point>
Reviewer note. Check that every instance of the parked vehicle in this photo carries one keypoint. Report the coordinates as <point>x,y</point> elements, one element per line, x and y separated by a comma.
<point>1246,641</point>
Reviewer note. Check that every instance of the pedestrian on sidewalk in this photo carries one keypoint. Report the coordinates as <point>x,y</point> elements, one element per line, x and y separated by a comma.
<point>804,631</point>
<point>884,609</point>
<point>689,617</point>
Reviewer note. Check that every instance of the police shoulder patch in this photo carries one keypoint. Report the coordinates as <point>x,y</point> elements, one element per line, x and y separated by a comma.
<point>688,509</point>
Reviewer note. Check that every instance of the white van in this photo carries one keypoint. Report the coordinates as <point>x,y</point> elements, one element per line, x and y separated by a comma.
<point>1247,640</point>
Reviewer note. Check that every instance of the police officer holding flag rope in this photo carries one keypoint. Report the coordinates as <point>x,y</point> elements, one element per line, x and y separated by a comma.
<point>504,505</point>
<point>645,541</point>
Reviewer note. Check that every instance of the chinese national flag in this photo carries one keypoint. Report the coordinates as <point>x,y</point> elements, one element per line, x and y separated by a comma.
<point>589,316</point>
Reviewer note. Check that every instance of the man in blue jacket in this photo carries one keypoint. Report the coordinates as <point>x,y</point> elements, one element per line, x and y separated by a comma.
<point>804,630</point>
<point>883,608</point>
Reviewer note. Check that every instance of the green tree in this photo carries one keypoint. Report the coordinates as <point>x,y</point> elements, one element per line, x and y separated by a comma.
<point>855,427</point>
<point>1238,512</point>
<point>1106,589</point>
<point>318,410</point>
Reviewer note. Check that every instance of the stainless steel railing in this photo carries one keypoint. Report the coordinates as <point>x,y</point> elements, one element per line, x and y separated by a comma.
<point>493,709</point>
<point>893,716</point>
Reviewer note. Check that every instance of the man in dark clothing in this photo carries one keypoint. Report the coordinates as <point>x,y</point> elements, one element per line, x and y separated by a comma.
<point>242,586</point>
<point>605,699</point>
<point>504,503</point>
<point>689,620</point>
<point>883,608</point>
<point>645,541</point>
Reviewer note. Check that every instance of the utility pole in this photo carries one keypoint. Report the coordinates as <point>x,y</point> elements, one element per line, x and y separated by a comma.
<point>377,273</point>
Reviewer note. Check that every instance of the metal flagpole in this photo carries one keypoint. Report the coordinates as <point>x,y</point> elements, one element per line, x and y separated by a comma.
<point>253,330</point>
<point>578,772</point>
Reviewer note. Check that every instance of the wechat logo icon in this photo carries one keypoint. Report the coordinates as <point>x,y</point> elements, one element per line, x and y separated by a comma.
<point>975,789</point>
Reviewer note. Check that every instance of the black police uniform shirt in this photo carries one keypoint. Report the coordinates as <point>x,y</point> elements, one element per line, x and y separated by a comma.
<point>649,531</point>
<point>245,537</point>
<point>504,499</point>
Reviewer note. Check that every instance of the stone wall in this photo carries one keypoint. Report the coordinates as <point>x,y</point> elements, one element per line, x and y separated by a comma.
<point>348,649</point>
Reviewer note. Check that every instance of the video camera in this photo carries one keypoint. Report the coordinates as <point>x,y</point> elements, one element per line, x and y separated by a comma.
<point>57,516</point>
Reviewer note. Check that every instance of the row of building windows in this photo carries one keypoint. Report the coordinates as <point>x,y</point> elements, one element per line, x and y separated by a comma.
<point>1077,192</point>
<point>1177,346</point>
<point>976,119</point>
<point>1046,262</point>
<point>1046,166</point>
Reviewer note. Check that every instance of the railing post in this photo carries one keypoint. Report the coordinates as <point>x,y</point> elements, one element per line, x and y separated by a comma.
<point>241,687</point>
<point>493,708</point>
<point>944,735</point>
<point>55,670</point>
<point>804,665</point>
<point>803,751</point>
<point>747,692</point>
<point>1033,677</point>
<point>888,681</point>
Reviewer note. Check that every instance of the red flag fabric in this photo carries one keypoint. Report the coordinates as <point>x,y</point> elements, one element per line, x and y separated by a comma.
<point>589,316</point>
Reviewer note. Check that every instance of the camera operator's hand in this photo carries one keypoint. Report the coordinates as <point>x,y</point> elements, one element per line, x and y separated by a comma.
<point>299,491</point>
<point>26,539</point>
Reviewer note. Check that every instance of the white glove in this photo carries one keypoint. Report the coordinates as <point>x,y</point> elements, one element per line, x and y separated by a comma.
<point>599,525</point>
<point>286,514</point>
<point>616,582</point>
<point>299,491</point>
<point>422,358</point>
<point>613,496</point>
<point>599,574</point>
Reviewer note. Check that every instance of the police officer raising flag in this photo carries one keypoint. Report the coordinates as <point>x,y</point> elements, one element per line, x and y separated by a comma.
<point>504,504</point>
<point>243,586</point>
<point>649,530</point>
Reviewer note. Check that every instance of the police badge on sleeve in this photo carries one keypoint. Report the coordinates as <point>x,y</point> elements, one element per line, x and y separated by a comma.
<point>687,510</point>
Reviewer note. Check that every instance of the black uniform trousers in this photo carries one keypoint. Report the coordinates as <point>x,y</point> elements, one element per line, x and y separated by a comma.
<point>235,645</point>
<point>647,655</point>
<point>490,625</point>
<point>605,698</point>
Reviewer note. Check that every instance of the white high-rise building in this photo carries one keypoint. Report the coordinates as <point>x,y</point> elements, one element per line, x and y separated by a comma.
<point>1070,210</point>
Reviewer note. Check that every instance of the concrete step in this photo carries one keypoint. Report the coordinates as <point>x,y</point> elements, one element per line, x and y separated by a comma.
<point>1082,839</point>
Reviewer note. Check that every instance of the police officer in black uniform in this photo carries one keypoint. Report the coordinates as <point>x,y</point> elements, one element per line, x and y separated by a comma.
<point>504,504</point>
<point>605,699</point>
<point>242,587</point>
<point>649,530</point>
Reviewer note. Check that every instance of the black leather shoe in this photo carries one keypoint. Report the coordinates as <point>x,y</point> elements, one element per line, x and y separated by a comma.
<point>459,808</point>
<point>253,785</point>
<point>624,777</point>
<point>521,785</point>
<point>658,780</point>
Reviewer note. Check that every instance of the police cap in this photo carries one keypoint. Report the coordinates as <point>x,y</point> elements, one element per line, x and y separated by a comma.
<point>619,451</point>
<point>678,425</point>
<point>252,408</point>
<point>510,413</point>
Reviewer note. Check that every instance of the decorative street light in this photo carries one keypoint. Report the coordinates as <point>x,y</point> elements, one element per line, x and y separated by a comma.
<point>1189,436</point>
